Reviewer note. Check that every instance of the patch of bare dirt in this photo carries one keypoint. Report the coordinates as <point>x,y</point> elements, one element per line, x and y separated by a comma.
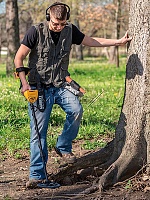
<point>14,175</point>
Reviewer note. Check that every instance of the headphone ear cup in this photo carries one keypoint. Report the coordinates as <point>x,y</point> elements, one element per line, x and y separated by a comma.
<point>48,17</point>
<point>68,15</point>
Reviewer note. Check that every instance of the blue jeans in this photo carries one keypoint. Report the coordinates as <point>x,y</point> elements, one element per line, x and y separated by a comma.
<point>73,109</point>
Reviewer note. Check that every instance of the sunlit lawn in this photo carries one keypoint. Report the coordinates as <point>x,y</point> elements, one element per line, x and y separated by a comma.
<point>104,85</point>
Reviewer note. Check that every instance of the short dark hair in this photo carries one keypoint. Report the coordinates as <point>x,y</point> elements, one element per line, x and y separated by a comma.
<point>59,11</point>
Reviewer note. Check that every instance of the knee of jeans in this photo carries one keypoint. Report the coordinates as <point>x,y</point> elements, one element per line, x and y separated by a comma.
<point>79,111</point>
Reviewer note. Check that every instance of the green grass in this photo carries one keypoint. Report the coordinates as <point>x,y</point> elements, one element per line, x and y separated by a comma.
<point>104,85</point>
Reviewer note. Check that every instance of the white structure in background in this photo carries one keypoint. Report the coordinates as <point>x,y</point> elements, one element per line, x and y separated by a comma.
<point>3,51</point>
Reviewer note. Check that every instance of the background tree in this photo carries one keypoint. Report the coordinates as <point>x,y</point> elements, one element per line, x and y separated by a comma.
<point>92,17</point>
<point>2,27</point>
<point>0,40</point>
<point>35,10</point>
<point>129,151</point>
<point>117,29</point>
<point>0,36</point>
<point>12,29</point>
<point>104,21</point>
<point>75,18</point>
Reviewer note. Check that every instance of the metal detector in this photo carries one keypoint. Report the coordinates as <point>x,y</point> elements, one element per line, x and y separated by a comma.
<point>31,96</point>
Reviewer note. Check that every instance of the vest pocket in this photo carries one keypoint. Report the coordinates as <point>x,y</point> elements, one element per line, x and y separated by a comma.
<point>45,53</point>
<point>64,63</point>
<point>64,71</point>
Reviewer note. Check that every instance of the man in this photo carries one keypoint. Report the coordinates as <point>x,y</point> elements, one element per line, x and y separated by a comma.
<point>48,45</point>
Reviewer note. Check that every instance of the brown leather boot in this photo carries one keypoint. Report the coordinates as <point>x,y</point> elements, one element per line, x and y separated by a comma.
<point>33,183</point>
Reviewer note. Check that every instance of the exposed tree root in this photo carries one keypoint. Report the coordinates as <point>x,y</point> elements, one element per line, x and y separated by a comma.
<point>90,190</point>
<point>108,178</point>
<point>102,164</point>
<point>140,181</point>
<point>92,160</point>
<point>121,169</point>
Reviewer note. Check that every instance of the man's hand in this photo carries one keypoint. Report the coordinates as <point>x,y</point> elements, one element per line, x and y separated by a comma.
<point>25,87</point>
<point>69,80</point>
<point>122,41</point>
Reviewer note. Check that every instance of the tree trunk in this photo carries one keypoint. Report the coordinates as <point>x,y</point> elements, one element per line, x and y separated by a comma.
<point>132,133</point>
<point>0,40</point>
<point>118,17</point>
<point>131,146</point>
<point>78,48</point>
<point>12,27</point>
<point>112,53</point>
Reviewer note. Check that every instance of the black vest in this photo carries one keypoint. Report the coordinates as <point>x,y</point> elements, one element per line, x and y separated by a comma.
<point>49,63</point>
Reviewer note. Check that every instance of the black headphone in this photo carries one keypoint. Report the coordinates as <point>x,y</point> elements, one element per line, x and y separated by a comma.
<point>54,4</point>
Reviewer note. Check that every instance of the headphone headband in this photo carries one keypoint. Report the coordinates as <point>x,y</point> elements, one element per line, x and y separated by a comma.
<point>55,4</point>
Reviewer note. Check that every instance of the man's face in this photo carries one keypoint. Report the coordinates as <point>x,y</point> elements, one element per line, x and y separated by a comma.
<point>56,25</point>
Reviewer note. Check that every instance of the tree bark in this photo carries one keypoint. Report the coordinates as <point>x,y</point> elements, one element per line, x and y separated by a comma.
<point>12,28</point>
<point>131,146</point>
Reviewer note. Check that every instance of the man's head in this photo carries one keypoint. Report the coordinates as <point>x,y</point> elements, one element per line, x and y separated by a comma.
<point>57,14</point>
